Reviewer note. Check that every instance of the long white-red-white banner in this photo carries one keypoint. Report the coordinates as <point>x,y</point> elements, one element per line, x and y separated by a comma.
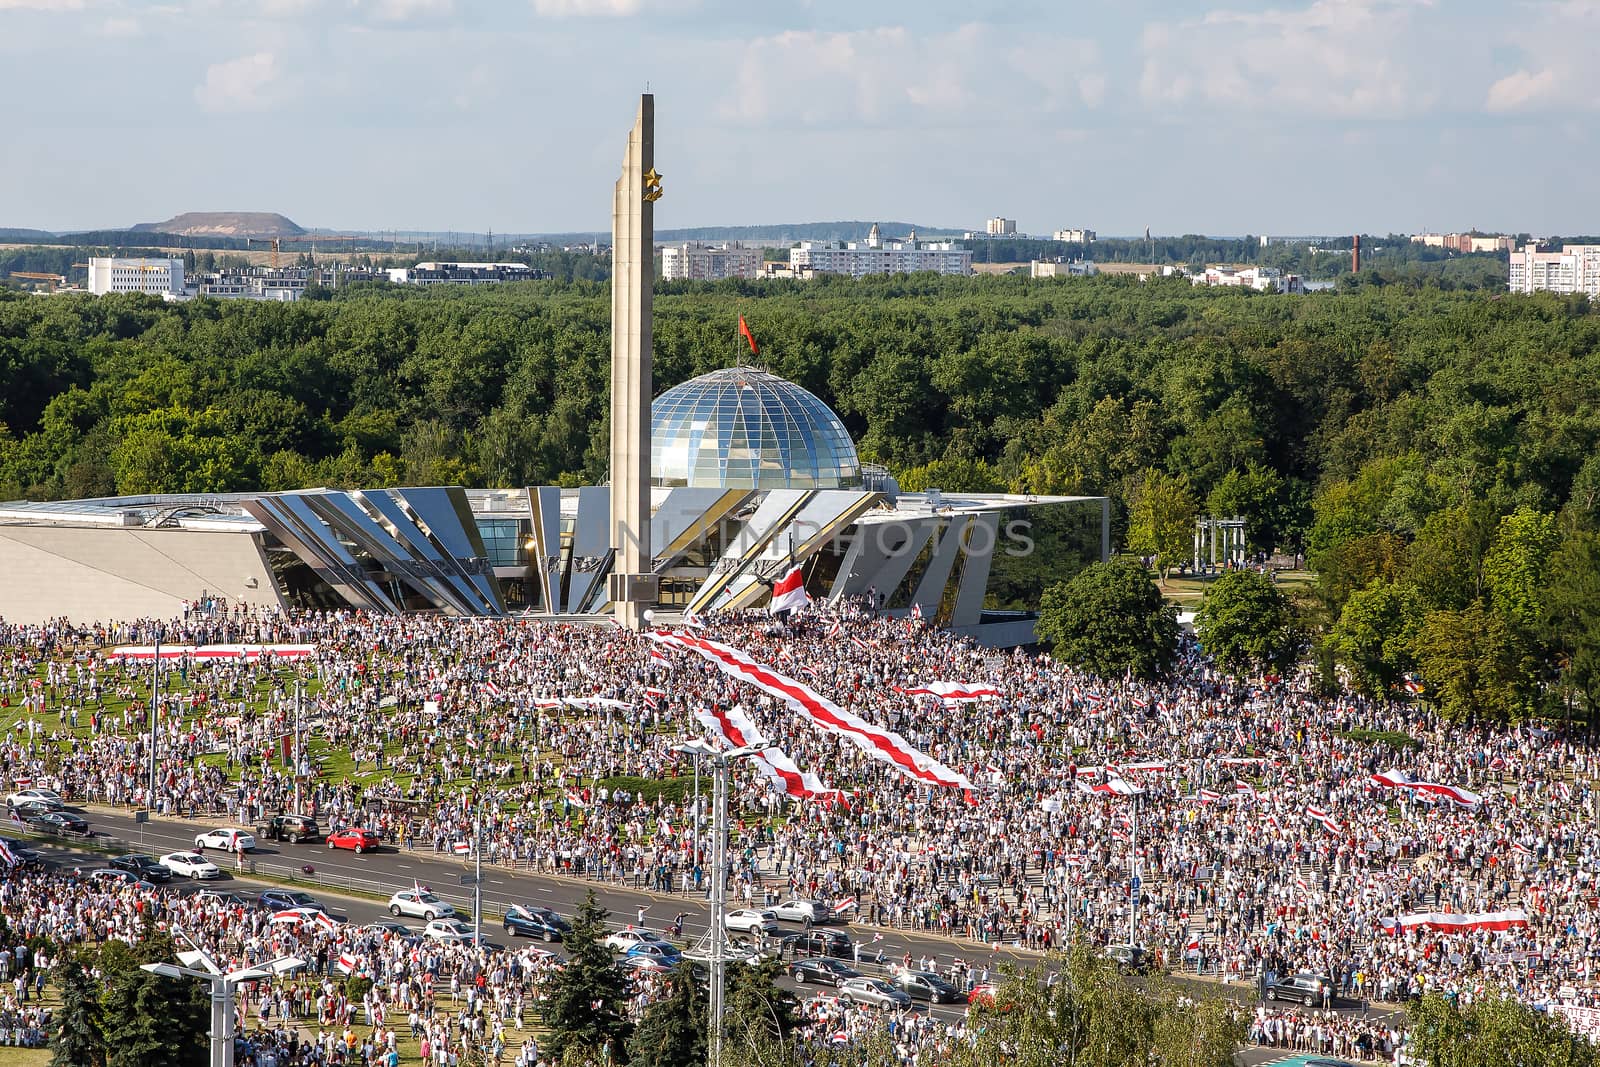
<point>1452,923</point>
<point>1401,780</point>
<point>820,711</point>
<point>735,727</point>
<point>246,652</point>
<point>952,691</point>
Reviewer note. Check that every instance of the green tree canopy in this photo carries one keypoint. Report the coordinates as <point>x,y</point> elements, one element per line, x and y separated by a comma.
<point>1373,637</point>
<point>1247,624</point>
<point>584,1009</point>
<point>1161,519</point>
<point>1109,619</point>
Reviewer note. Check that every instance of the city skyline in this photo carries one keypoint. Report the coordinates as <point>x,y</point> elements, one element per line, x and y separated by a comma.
<point>1327,117</point>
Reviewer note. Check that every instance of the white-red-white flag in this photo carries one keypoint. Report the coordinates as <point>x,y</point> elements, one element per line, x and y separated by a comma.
<point>789,592</point>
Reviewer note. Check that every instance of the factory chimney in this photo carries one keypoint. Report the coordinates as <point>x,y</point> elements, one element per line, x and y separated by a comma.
<point>1355,256</point>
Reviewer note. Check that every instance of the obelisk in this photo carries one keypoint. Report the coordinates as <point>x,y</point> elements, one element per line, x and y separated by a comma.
<point>633,582</point>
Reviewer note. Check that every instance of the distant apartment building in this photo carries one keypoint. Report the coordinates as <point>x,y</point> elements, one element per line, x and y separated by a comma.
<point>464,274</point>
<point>1058,268</point>
<point>282,284</point>
<point>998,227</point>
<point>1074,237</point>
<point>877,256</point>
<point>708,263</point>
<point>1466,242</point>
<point>1267,241</point>
<point>110,274</point>
<point>1258,278</point>
<point>1574,269</point>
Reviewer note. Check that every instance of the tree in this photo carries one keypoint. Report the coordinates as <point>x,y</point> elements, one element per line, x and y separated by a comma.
<point>584,1010</point>
<point>1374,634</point>
<point>1255,495</point>
<point>1471,663</point>
<point>1247,624</point>
<point>1109,619</point>
<point>1493,1031</point>
<point>672,1032</point>
<point>1161,519</point>
<point>78,1040</point>
<point>147,1019</point>
<point>760,1017</point>
<point>1571,615</point>
<point>1517,564</point>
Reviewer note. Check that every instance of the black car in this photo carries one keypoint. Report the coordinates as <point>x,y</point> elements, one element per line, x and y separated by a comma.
<point>823,970</point>
<point>535,922</point>
<point>820,943</point>
<point>1308,989</point>
<point>21,853</point>
<point>58,822</point>
<point>925,985</point>
<point>293,829</point>
<point>288,900</point>
<point>1129,959</point>
<point>144,867</point>
<point>29,809</point>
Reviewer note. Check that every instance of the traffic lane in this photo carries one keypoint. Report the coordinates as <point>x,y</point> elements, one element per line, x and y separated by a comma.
<point>362,912</point>
<point>390,870</point>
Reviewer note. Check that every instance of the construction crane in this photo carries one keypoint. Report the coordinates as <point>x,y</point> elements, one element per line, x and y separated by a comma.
<point>310,238</point>
<point>52,280</point>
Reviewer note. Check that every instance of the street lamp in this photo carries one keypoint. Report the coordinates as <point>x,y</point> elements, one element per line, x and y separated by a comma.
<point>222,984</point>
<point>717,935</point>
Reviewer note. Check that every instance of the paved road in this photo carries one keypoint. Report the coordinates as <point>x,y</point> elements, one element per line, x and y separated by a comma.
<point>389,869</point>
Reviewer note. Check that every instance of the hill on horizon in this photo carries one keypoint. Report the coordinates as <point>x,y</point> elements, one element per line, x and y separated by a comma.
<point>224,224</point>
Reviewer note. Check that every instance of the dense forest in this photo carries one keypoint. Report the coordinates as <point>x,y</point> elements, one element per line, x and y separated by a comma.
<point>1431,451</point>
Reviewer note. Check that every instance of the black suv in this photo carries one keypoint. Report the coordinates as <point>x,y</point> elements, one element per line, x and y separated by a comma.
<point>293,829</point>
<point>535,922</point>
<point>141,867</point>
<point>1308,989</point>
<point>820,943</point>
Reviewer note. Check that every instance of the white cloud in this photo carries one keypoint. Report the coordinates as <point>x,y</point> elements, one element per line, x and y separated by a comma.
<point>242,84</point>
<point>1558,39</point>
<point>41,5</point>
<point>121,27</point>
<point>585,8</point>
<point>889,74</point>
<point>1338,58</point>
<point>1516,91</point>
<point>406,10</point>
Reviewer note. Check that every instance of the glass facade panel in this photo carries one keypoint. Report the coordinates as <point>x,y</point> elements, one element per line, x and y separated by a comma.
<point>744,428</point>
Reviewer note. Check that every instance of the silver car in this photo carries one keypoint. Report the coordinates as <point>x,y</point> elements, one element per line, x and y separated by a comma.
<point>873,992</point>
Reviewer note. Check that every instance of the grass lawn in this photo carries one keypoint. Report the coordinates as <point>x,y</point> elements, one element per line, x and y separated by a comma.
<point>1188,592</point>
<point>24,1057</point>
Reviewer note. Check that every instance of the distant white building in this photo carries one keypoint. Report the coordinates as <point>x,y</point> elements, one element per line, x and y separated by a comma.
<point>110,274</point>
<point>708,263</point>
<point>1258,278</point>
<point>463,273</point>
<point>877,256</point>
<point>1077,268</point>
<point>998,227</point>
<point>1076,237</point>
<point>1574,269</point>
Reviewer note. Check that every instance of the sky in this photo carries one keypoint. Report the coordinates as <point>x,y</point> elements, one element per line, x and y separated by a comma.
<point>1206,116</point>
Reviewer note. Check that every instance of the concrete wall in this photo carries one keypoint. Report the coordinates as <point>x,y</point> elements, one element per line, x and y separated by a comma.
<point>90,574</point>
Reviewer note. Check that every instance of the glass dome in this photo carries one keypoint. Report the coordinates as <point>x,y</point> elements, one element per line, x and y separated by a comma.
<point>742,428</point>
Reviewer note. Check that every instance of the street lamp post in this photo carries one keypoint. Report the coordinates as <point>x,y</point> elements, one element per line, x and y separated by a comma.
<point>222,985</point>
<point>718,934</point>
<point>155,713</point>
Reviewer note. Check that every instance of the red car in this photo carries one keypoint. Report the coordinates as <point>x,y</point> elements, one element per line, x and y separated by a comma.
<point>358,841</point>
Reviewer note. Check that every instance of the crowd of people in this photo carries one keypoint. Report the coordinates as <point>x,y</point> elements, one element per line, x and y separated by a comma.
<point>1247,808</point>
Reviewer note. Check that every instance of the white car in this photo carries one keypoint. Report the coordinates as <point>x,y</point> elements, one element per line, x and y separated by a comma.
<point>752,922</point>
<point>447,930</point>
<point>798,910</point>
<point>623,940</point>
<point>228,839</point>
<point>48,797</point>
<point>419,904</point>
<point>190,864</point>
